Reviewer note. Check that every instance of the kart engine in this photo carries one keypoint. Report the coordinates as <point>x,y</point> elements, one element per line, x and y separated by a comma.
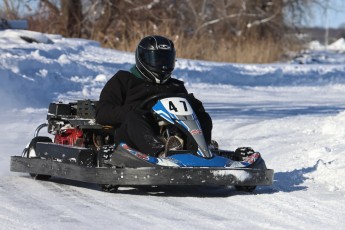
<point>74,124</point>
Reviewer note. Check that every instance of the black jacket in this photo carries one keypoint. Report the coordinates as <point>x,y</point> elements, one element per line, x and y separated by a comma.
<point>124,92</point>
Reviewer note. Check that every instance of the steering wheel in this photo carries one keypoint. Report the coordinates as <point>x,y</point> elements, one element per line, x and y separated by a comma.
<point>144,104</point>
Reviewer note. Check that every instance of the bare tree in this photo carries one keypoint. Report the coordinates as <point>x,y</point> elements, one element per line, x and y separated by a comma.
<point>71,12</point>
<point>10,9</point>
<point>205,26</point>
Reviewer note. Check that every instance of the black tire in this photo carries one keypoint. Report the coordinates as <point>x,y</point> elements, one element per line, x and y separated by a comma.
<point>245,188</point>
<point>31,153</point>
<point>111,188</point>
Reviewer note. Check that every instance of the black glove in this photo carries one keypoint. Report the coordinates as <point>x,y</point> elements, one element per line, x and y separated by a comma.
<point>243,152</point>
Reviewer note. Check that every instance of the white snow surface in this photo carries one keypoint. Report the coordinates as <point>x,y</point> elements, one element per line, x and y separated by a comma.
<point>292,113</point>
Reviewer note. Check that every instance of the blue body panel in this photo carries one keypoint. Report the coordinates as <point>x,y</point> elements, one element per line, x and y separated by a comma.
<point>190,160</point>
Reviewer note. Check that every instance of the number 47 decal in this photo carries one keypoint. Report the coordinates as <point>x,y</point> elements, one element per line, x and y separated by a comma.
<point>177,106</point>
<point>173,107</point>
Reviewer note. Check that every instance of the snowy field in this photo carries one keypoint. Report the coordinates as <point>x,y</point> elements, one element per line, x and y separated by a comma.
<point>293,113</point>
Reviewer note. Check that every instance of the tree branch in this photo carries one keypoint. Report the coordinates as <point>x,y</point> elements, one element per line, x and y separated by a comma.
<point>258,22</point>
<point>51,6</point>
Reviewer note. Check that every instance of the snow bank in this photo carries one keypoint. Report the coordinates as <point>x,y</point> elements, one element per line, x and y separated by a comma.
<point>319,54</point>
<point>41,71</point>
<point>338,45</point>
<point>330,168</point>
<point>56,65</point>
<point>23,36</point>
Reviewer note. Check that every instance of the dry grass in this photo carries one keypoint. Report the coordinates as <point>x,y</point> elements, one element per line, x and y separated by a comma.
<point>224,48</point>
<point>251,50</point>
<point>242,51</point>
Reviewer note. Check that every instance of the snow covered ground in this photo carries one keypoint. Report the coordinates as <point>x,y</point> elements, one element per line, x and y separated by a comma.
<point>293,113</point>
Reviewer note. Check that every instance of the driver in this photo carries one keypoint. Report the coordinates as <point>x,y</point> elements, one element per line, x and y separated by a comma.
<point>121,96</point>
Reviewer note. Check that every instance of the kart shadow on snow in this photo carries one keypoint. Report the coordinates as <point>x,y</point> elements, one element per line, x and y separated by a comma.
<point>294,180</point>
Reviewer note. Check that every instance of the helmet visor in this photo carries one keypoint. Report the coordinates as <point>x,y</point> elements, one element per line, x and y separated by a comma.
<point>160,60</point>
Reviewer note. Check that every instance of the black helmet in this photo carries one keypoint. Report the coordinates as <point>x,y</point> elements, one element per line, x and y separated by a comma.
<point>155,58</point>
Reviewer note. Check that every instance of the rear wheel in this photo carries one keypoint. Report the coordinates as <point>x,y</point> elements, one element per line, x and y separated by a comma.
<point>30,152</point>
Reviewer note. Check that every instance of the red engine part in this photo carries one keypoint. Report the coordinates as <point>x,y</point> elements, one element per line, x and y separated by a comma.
<point>71,136</point>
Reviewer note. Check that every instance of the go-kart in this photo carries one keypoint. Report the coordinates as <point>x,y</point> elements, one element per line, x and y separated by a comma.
<point>83,150</point>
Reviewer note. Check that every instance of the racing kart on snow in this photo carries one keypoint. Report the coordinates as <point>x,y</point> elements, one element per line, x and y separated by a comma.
<point>83,150</point>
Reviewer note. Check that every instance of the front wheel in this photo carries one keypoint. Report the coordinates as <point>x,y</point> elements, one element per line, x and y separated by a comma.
<point>30,152</point>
